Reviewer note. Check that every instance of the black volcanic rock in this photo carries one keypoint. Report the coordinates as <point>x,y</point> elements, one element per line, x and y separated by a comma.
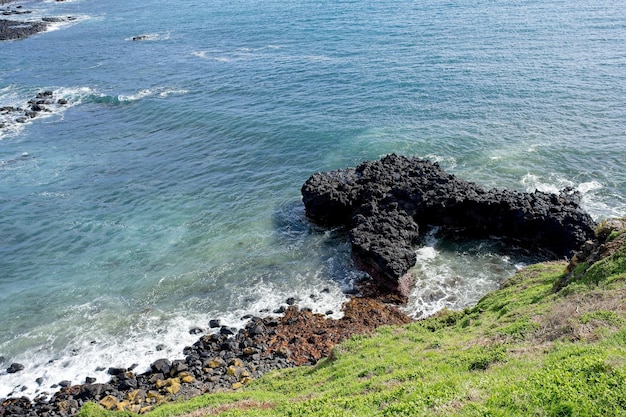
<point>12,29</point>
<point>385,202</point>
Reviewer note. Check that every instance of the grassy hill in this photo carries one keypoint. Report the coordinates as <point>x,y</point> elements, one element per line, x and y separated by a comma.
<point>551,342</point>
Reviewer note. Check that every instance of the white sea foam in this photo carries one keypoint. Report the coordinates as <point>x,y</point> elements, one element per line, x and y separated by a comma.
<point>218,56</point>
<point>66,22</point>
<point>448,162</point>
<point>455,277</point>
<point>92,356</point>
<point>199,54</point>
<point>591,201</point>
<point>150,37</point>
<point>157,91</point>
<point>14,122</point>
<point>172,91</point>
<point>137,96</point>
<point>91,353</point>
<point>243,53</point>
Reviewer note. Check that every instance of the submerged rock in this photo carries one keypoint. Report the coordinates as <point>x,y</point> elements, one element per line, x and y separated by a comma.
<point>14,368</point>
<point>385,203</point>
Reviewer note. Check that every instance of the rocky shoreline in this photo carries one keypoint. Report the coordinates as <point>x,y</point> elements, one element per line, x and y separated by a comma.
<point>20,29</point>
<point>224,360</point>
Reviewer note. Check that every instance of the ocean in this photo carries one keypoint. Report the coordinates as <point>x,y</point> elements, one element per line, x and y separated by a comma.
<point>166,192</point>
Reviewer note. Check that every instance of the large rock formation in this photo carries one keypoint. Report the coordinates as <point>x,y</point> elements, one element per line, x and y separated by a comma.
<point>384,204</point>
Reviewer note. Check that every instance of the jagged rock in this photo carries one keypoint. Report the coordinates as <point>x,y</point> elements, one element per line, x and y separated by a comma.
<point>227,331</point>
<point>52,19</point>
<point>385,203</point>
<point>109,402</point>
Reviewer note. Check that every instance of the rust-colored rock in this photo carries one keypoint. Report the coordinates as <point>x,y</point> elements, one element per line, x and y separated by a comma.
<point>308,337</point>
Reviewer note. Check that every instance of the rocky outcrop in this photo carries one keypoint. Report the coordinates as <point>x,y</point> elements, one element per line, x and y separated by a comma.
<point>44,102</point>
<point>20,29</point>
<point>13,29</point>
<point>385,203</point>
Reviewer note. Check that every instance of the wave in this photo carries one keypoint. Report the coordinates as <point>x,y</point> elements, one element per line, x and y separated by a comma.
<point>149,92</point>
<point>150,335</point>
<point>16,104</point>
<point>17,107</point>
<point>61,22</point>
<point>593,200</point>
<point>456,275</point>
<point>244,53</point>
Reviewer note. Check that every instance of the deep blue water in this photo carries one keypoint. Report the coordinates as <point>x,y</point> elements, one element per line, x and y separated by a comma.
<point>167,191</point>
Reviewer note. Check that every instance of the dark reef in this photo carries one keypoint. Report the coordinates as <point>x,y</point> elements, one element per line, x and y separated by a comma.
<point>385,204</point>
<point>13,29</point>
<point>20,29</point>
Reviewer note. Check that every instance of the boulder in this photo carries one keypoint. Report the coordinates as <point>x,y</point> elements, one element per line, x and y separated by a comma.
<point>162,366</point>
<point>385,204</point>
<point>14,368</point>
<point>94,391</point>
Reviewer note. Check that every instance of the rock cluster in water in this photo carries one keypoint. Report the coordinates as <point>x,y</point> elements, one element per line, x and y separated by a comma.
<point>226,359</point>
<point>19,29</point>
<point>43,102</point>
<point>385,203</point>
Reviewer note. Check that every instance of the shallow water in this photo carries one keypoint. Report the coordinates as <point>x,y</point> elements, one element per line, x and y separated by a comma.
<point>166,193</point>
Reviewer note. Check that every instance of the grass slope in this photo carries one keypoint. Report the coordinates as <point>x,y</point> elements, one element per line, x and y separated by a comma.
<point>524,350</point>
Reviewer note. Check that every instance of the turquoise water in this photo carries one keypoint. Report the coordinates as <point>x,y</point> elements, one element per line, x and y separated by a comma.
<point>167,192</point>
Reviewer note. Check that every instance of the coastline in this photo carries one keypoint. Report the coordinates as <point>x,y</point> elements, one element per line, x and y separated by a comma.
<point>11,30</point>
<point>14,30</point>
<point>227,358</point>
<point>224,360</point>
<point>38,148</point>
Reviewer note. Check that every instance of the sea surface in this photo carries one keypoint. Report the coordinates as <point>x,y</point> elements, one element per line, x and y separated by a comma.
<point>167,191</point>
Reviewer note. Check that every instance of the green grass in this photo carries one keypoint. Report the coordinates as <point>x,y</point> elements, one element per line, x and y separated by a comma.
<point>523,350</point>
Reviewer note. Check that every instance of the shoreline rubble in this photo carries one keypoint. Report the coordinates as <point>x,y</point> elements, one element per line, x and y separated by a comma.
<point>225,360</point>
